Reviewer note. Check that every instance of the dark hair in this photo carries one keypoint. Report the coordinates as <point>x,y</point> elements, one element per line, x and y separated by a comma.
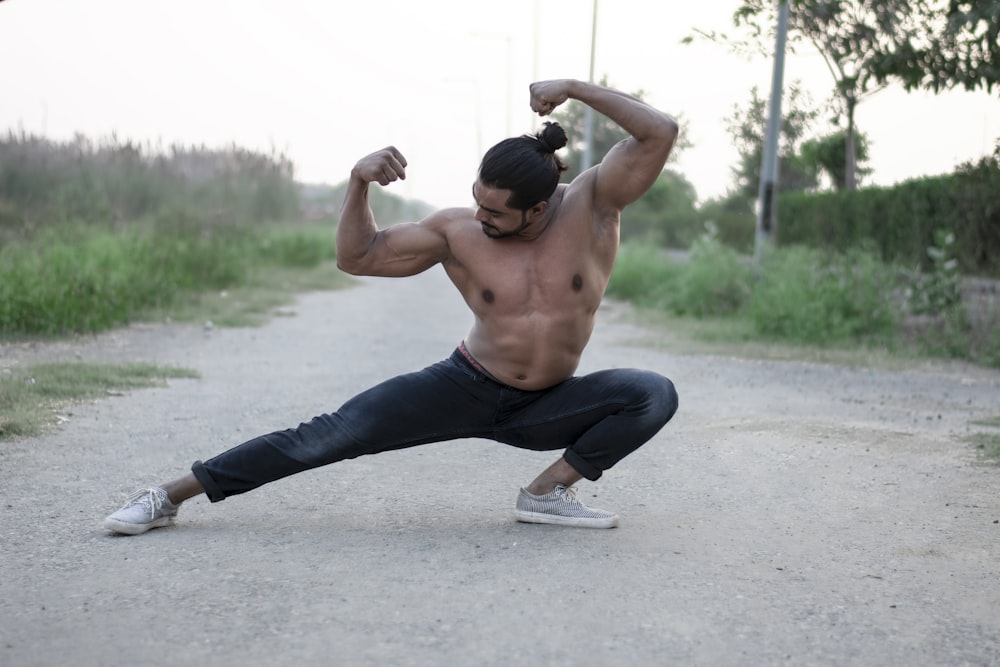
<point>525,165</point>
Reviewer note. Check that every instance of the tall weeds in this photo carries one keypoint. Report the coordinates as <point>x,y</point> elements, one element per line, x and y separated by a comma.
<point>112,181</point>
<point>91,233</point>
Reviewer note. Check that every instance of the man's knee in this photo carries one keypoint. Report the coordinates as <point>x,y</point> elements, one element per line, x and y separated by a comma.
<point>661,396</point>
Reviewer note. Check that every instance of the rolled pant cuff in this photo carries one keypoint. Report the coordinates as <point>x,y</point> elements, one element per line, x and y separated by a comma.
<point>582,466</point>
<point>212,489</point>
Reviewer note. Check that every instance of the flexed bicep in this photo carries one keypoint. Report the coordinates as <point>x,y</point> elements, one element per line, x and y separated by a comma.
<point>405,249</point>
<point>630,168</point>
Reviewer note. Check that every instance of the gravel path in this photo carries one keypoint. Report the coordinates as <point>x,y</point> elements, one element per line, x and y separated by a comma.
<point>792,513</point>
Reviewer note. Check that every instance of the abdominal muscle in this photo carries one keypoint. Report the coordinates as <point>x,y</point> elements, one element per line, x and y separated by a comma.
<point>530,351</point>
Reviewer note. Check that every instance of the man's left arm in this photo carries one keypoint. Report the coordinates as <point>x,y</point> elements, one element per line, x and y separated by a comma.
<point>632,166</point>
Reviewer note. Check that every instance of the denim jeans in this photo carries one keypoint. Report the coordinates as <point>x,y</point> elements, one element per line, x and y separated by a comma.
<point>598,419</point>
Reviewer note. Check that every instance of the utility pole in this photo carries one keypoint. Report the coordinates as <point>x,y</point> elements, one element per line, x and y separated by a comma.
<point>766,195</point>
<point>588,136</point>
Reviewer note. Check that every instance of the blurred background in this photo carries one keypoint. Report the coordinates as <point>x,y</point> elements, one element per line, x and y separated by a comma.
<point>152,150</point>
<point>326,83</point>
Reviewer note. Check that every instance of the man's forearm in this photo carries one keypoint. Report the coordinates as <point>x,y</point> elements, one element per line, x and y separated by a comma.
<point>357,227</point>
<point>633,115</point>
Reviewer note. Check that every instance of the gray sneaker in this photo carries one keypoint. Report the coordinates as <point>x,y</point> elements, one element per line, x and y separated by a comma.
<point>145,509</point>
<point>561,507</point>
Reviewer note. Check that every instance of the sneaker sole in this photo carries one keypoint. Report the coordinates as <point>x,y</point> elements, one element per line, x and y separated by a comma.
<point>574,521</point>
<point>136,528</point>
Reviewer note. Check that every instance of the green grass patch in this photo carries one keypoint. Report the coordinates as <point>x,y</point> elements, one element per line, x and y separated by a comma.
<point>78,278</point>
<point>841,307</point>
<point>987,443</point>
<point>807,296</point>
<point>262,296</point>
<point>31,396</point>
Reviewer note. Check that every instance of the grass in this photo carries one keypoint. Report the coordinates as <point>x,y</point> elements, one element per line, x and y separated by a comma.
<point>823,303</point>
<point>31,397</point>
<point>987,442</point>
<point>76,278</point>
<point>807,306</point>
<point>252,303</point>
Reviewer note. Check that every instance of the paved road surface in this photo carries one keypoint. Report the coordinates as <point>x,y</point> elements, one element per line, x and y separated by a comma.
<point>791,514</point>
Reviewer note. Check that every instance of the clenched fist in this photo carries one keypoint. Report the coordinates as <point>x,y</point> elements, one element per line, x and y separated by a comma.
<point>547,95</point>
<point>382,167</point>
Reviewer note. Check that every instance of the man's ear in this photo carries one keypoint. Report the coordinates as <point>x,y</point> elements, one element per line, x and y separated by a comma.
<point>538,210</point>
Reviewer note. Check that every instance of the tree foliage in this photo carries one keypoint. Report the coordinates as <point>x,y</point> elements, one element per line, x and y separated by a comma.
<point>826,155</point>
<point>956,44</point>
<point>747,126</point>
<point>852,36</point>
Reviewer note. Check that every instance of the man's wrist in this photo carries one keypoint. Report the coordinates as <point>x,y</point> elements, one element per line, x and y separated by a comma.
<point>575,88</point>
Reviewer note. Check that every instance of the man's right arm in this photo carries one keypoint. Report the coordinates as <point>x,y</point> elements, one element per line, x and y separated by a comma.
<point>632,165</point>
<point>401,250</point>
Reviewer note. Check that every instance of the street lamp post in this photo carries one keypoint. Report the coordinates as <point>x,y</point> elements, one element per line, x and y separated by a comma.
<point>766,214</point>
<point>588,136</point>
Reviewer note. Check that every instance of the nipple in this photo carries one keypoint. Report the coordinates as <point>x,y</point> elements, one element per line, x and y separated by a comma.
<point>577,282</point>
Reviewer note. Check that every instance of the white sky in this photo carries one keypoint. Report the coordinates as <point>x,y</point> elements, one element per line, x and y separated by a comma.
<point>327,82</point>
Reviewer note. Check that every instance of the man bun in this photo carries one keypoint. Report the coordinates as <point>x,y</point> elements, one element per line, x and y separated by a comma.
<point>552,137</point>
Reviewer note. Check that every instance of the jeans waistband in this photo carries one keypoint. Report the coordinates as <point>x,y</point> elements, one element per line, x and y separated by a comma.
<point>467,356</point>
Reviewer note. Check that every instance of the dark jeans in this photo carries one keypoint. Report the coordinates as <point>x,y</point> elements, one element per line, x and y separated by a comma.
<point>598,419</point>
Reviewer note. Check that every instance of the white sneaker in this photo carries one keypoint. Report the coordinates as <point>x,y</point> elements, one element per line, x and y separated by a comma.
<point>560,506</point>
<point>145,509</point>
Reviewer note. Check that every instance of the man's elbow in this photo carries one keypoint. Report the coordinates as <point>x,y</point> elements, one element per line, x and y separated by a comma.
<point>350,265</point>
<point>670,129</point>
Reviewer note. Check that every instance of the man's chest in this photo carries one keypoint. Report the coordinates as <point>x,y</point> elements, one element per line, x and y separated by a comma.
<point>534,276</point>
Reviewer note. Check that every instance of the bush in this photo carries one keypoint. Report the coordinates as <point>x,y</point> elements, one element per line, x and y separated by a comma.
<point>902,221</point>
<point>716,281</point>
<point>643,276</point>
<point>808,296</point>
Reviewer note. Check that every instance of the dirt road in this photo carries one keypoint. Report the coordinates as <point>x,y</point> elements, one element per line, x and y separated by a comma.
<point>792,513</point>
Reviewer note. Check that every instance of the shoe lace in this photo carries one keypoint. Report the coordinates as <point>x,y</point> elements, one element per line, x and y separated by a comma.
<point>567,493</point>
<point>148,499</point>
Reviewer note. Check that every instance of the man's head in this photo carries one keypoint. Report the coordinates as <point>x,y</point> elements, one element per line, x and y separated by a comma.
<point>525,165</point>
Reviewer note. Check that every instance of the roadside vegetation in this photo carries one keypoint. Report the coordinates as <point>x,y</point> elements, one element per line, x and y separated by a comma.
<point>95,235</point>
<point>807,301</point>
<point>987,441</point>
<point>33,397</point>
<point>98,235</point>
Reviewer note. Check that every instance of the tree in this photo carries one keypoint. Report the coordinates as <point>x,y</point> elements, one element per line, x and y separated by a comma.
<point>852,36</point>
<point>825,155</point>
<point>955,45</point>
<point>746,125</point>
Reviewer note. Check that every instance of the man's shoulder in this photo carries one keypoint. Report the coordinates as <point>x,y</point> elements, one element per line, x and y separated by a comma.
<point>578,201</point>
<point>447,219</point>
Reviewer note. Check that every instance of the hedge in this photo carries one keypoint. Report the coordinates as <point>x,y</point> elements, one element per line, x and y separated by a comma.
<point>901,221</point>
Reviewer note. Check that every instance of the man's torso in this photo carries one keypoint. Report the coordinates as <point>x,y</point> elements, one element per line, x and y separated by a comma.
<point>534,300</point>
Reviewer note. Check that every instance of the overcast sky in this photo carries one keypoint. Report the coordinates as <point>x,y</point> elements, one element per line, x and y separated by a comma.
<point>443,80</point>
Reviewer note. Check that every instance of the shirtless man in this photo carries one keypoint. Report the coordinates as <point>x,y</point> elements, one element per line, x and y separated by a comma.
<point>532,261</point>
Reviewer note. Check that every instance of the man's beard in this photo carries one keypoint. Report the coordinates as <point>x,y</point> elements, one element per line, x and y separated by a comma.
<point>495,233</point>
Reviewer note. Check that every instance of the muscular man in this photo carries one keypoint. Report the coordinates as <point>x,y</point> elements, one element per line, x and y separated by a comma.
<point>532,260</point>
